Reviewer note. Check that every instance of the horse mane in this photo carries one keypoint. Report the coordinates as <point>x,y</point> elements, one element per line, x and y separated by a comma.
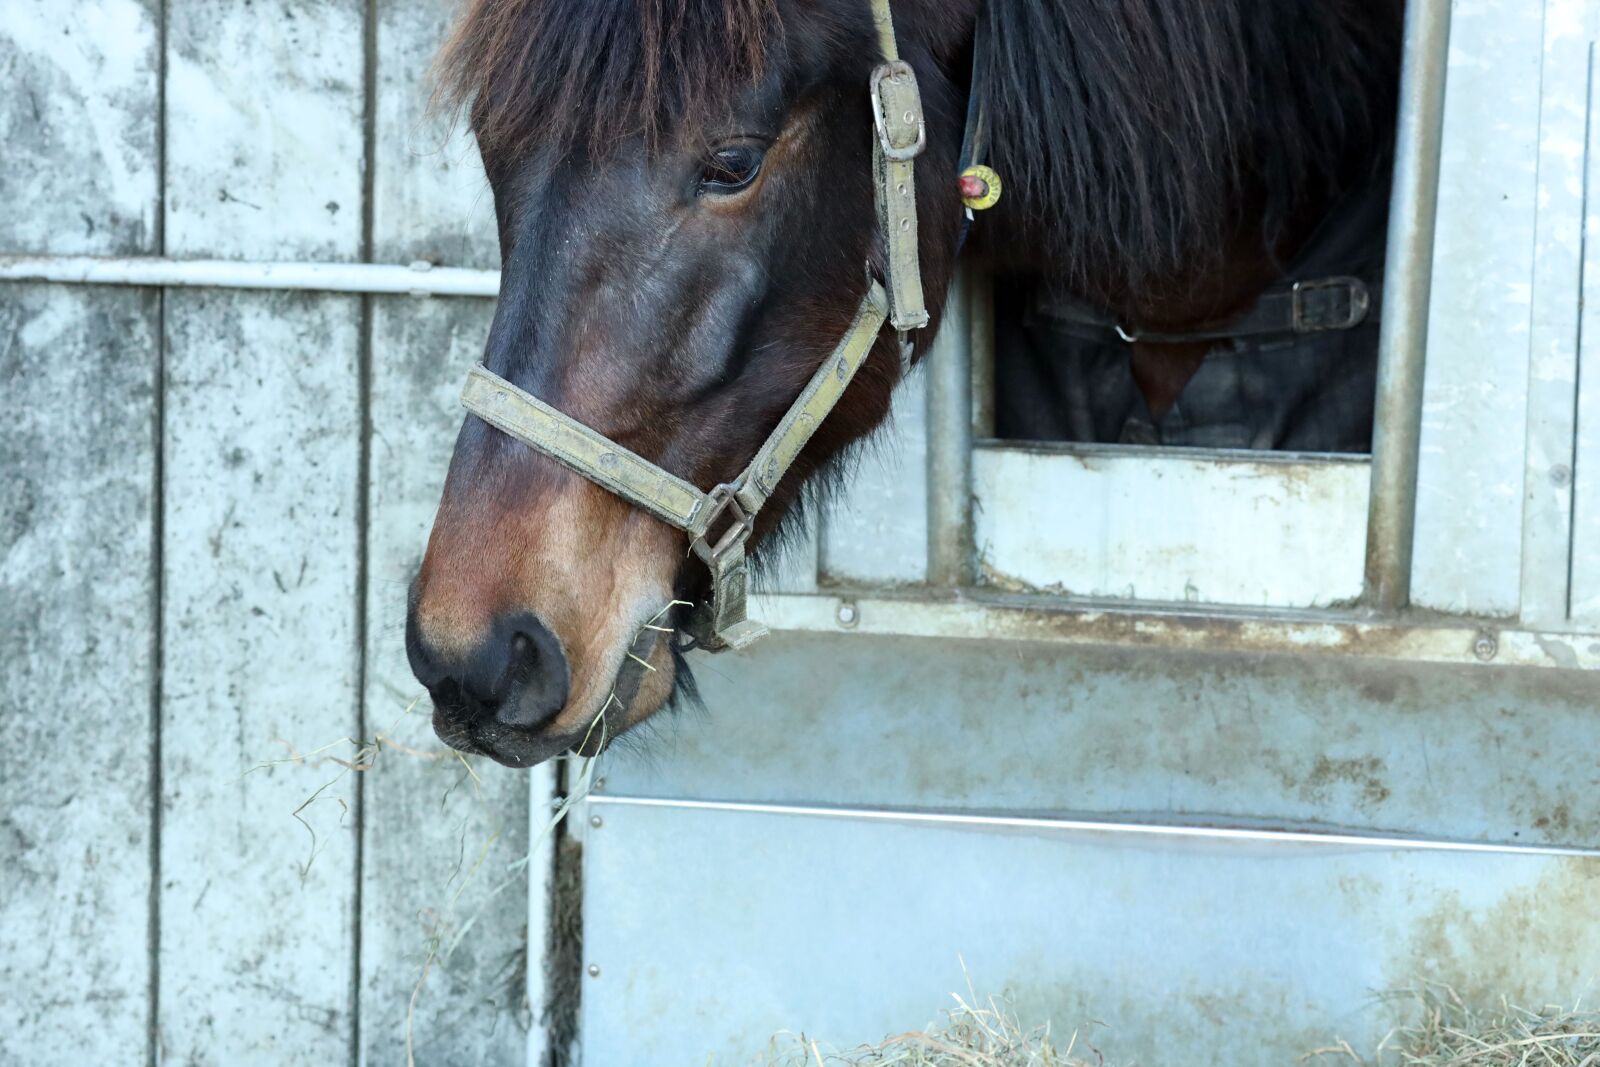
<point>1140,140</point>
<point>596,72</point>
<point>1147,136</point>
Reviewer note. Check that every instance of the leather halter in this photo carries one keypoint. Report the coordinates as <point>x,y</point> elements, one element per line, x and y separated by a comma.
<point>719,523</point>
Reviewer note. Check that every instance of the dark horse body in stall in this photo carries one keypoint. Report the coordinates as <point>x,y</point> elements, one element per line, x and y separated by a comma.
<point>685,206</point>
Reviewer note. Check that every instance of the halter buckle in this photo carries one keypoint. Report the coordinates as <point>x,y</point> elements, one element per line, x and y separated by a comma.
<point>719,502</point>
<point>1337,303</point>
<point>897,111</point>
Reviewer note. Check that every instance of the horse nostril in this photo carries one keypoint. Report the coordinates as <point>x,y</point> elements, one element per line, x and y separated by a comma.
<point>538,675</point>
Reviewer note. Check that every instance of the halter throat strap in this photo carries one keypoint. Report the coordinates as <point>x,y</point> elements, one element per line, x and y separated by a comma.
<point>719,522</point>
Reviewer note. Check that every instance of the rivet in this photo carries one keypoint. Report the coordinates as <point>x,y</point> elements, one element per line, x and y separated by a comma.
<point>594,970</point>
<point>1561,476</point>
<point>599,783</point>
<point>908,118</point>
<point>902,188</point>
<point>594,821</point>
<point>905,224</point>
<point>1485,646</point>
<point>500,396</point>
<point>848,615</point>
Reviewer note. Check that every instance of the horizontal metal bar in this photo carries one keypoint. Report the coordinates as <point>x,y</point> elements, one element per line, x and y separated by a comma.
<point>1100,827</point>
<point>983,615</point>
<point>417,279</point>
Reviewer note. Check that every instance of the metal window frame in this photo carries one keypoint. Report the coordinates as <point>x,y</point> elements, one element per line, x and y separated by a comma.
<point>961,375</point>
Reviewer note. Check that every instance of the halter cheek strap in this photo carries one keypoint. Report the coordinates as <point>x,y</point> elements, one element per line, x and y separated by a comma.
<point>719,522</point>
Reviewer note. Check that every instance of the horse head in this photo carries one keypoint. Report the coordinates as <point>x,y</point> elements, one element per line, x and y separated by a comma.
<point>685,194</point>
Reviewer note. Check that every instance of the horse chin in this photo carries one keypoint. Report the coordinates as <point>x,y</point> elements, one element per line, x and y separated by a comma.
<point>643,684</point>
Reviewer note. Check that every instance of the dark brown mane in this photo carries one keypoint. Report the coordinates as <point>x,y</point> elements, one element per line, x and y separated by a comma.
<point>597,72</point>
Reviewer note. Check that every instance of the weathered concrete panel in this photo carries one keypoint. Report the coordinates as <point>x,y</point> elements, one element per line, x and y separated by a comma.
<point>1475,393</point>
<point>77,605</point>
<point>264,132</point>
<point>441,872</point>
<point>442,842</point>
<point>1490,754</point>
<point>260,665</point>
<point>78,105</point>
<point>430,198</point>
<point>1182,953</point>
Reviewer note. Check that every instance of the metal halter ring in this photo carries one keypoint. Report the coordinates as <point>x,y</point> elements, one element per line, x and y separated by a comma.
<point>720,501</point>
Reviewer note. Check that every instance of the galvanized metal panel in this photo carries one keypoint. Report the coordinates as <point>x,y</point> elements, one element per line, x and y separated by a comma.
<point>875,532</point>
<point>260,665</point>
<point>1239,955</point>
<point>264,131</point>
<point>430,198</point>
<point>1490,754</point>
<point>442,886</point>
<point>1584,563</point>
<point>1468,552</point>
<point>1171,525</point>
<point>1564,131</point>
<point>78,105</point>
<point>77,607</point>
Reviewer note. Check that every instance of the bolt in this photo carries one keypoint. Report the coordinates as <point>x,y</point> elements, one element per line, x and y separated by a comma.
<point>848,615</point>
<point>1561,476</point>
<point>1485,646</point>
<point>594,970</point>
<point>594,821</point>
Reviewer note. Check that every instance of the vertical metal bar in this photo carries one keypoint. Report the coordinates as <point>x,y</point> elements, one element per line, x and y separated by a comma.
<point>1397,424</point>
<point>980,306</point>
<point>950,561</point>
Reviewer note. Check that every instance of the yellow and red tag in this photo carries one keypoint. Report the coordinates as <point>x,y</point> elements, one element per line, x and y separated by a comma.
<point>980,187</point>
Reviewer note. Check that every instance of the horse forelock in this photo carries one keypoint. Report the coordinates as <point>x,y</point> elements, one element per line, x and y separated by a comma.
<point>596,72</point>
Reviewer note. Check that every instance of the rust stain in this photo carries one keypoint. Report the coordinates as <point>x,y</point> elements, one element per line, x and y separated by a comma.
<point>1538,943</point>
<point>1365,773</point>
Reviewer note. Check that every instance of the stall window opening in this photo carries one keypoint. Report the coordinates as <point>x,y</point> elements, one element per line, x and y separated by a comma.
<point>1235,304</point>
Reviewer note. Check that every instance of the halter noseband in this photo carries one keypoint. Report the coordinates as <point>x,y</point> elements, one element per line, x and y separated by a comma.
<point>720,522</point>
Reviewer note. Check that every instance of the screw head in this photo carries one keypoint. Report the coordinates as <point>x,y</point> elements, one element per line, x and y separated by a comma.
<point>1561,476</point>
<point>1485,646</point>
<point>594,821</point>
<point>594,970</point>
<point>848,615</point>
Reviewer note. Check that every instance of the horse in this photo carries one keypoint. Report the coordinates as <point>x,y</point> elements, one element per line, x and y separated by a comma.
<point>686,196</point>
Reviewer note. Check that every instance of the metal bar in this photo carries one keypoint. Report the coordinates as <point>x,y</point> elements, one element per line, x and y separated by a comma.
<point>981,307</point>
<point>1103,827</point>
<point>417,279</point>
<point>950,554</point>
<point>1408,270</point>
<point>981,614</point>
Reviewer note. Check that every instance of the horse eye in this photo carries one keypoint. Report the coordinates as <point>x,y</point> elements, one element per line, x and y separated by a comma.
<point>730,169</point>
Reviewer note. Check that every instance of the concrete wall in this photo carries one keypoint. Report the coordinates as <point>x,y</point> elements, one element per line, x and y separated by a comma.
<point>210,506</point>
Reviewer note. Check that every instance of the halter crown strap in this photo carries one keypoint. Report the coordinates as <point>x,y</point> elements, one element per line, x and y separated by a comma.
<point>902,134</point>
<point>719,523</point>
